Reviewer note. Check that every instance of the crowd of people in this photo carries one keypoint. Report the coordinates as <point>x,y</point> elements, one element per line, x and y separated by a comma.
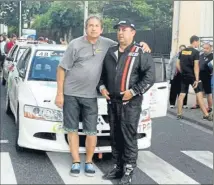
<point>192,67</point>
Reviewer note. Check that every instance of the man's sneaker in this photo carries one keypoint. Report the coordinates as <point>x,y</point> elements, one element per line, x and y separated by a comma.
<point>195,107</point>
<point>127,177</point>
<point>172,106</point>
<point>185,107</point>
<point>179,117</point>
<point>115,173</point>
<point>75,169</point>
<point>209,110</point>
<point>208,118</point>
<point>89,169</point>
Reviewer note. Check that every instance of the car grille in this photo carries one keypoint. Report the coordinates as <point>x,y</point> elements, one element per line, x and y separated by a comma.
<point>101,140</point>
<point>45,135</point>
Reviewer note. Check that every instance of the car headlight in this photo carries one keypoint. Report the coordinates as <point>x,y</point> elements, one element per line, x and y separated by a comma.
<point>145,115</point>
<point>40,113</point>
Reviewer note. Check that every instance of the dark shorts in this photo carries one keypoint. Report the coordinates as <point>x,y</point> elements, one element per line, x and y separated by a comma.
<point>77,109</point>
<point>185,82</point>
<point>206,81</point>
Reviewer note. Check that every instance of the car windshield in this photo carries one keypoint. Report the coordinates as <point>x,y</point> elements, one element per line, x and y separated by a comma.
<point>44,65</point>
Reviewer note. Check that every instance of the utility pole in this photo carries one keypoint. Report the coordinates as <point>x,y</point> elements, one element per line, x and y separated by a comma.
<point>20,19</point>
<point>85,15</point>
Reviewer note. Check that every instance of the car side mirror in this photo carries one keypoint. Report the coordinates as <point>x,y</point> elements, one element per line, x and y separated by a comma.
<point>22,73</point>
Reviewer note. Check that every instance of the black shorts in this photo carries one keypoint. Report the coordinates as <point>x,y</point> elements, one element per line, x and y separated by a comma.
<point>77,107</point>
<point>185,82</point>
<point>206,81</point>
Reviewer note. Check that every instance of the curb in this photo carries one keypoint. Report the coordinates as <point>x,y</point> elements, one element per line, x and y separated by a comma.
<point>192,120</point>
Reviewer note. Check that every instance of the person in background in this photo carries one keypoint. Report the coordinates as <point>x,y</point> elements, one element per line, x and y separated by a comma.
<point>175,80</point>
<point>206,73</point>
<point>2,51</point>
<point>10,44</point>
<point>63,42</point>
<point>188,65</point>
<point>42,40</point>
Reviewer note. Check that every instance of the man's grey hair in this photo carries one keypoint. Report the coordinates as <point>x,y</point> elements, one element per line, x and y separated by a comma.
<point>208,43</point>
<point>94,17</point>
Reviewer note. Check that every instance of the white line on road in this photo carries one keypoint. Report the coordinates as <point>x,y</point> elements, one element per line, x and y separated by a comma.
<point>204,157</point>
<point>4,141</point>
<point>7,173</point>
<point>193,125</point>
<point>161,171</point>
<point>62,162</point>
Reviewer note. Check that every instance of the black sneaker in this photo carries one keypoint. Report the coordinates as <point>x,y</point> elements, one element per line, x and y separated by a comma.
<point>115,173</point>
<point>208,118</point>
<point>179,117</point>
<point>210,110</point>
<point>75,169</point>
<point>127,177</point>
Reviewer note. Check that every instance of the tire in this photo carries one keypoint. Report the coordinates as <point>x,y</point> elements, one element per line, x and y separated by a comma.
<point>18,148</point>
<point>8,109</point>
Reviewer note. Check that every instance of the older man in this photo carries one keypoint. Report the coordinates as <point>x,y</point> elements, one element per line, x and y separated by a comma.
<point>127,74</point>
<point>78,75</point>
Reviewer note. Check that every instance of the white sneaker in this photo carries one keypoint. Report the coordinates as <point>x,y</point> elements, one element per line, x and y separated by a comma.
<point>172,106</point>
<point>185,107</point>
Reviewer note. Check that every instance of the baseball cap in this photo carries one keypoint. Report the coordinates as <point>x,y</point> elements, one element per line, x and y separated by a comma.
<point>125,23</point>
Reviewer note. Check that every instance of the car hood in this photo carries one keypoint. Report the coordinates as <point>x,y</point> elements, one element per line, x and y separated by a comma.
<point>44,93</point>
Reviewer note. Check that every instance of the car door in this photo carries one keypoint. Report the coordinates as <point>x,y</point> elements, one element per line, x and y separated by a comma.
<point>18,76</point>
<point>159,92</point>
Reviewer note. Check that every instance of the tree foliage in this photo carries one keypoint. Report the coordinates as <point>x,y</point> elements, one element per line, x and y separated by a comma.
<point>66,17</point>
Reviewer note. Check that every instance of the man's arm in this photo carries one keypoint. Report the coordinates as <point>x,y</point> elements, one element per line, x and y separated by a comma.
<point>196,70</point>
<point>65,64</point>
<point>196,66</point>
<point>178,65</point>
<point>148,78</point>
<point>60,80</point>
<point>169,68</point>
<point>102,83</point>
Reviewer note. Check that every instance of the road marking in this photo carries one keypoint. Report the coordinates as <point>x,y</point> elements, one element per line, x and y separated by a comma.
<point>161,171</point>
<point>4,141</point>
<point>192,124</point>
<point>204,157</point>
<point>62,162</point>
<point>7,173</point>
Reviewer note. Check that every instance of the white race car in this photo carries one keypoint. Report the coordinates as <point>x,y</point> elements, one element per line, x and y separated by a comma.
<point>31,98</point>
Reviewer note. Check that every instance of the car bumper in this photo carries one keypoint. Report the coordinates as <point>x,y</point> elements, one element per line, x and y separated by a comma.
<point>49,136</point>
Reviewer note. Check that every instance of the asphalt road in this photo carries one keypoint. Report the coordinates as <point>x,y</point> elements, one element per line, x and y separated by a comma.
<point>181,153</point>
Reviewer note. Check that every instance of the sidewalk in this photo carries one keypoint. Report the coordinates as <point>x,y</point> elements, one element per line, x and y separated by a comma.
<point>194,115</point>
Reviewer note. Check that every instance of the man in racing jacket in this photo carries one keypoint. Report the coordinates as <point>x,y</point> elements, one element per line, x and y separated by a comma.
<point>127,74</point>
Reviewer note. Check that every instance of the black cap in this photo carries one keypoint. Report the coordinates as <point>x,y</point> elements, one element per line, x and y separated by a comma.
<point>125,23</point>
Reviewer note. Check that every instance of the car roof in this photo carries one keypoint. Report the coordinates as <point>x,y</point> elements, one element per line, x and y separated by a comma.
<point>48,47</point>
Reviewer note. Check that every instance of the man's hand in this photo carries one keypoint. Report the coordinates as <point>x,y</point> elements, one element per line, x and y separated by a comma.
<point>195,85</point>
<point>105,93</point>
<point>127,95</point>
<point>145,46</point>
<point>59,100</point>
